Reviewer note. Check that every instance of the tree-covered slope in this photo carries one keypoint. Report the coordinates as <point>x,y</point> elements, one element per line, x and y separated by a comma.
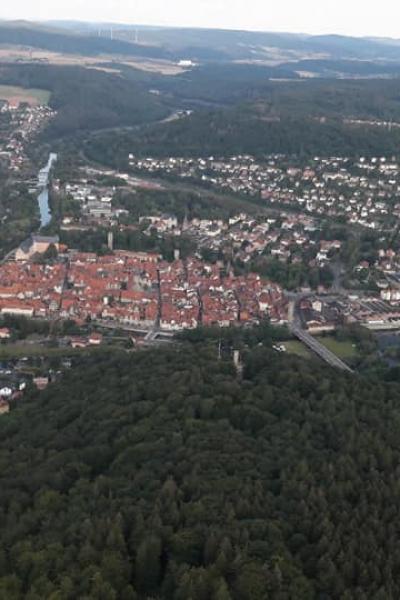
<point>302,118</point>
<point>86,99</point>
<point>161,475</point>
<point>239,131</point>
<point>229,83</point>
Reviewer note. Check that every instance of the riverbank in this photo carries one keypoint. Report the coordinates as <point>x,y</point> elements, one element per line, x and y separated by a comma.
<point>43,198</point>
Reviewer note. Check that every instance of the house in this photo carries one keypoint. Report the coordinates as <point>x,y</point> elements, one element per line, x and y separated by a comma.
<point>390,295</point>
<point>99,209</point>
<point>317,305</point>
<point>78,342</point>
<point>95,339</point>
<point>15,307</point>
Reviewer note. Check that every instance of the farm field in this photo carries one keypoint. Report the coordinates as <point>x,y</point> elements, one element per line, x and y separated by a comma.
<point>15,95</point>
<point>100,62</point>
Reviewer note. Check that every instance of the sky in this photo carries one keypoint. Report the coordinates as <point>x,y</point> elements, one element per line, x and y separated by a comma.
<point>349,17</point>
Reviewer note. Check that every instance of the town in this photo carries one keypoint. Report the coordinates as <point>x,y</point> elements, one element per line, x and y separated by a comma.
<point>365,191</point>
<point>285,257</point>
<point>133,288</point>
<point>21,123</point>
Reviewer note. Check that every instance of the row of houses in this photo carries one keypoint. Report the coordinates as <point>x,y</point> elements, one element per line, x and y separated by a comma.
<point>361,190</point>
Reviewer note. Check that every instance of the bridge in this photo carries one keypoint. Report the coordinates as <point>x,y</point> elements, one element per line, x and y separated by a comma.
<point>150,336</point>
<point>319,349</point>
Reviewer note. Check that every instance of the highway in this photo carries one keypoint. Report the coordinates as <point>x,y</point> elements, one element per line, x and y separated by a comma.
<point>319,349</point>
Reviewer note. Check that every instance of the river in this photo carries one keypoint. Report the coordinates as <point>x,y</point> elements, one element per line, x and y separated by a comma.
<point>43,198</point>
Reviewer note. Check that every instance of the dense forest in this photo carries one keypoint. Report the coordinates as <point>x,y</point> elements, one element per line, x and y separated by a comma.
<point>19,213</point>
<point>229,83</point>
<point>239,111</point>
<point>86,99</point>
<point>95,240</point>
<point>239,131</point>
<point>183,202</point>
<point>164,475</point>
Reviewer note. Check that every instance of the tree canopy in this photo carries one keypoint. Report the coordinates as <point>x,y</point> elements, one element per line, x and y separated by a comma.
<point>163,474</point>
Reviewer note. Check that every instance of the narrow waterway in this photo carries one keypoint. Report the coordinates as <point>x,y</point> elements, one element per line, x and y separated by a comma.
<point>43,198</point>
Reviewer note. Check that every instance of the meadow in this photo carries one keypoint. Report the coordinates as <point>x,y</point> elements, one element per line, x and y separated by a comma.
<point>16,95</point>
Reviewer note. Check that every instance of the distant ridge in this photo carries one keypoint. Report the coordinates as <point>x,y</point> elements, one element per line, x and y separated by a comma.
<point>39,35</point>
<point>198,45</point>
<point>243,44</point>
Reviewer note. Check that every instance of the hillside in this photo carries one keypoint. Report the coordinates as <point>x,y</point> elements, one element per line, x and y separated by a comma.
<point>219,44</point>
<point>162,475</point>
<point>200,45</point>
<point>230,133</point>
<point>256,116</point>
<point>86,99</point>
<point>238,108</point>
<point>31,35</point>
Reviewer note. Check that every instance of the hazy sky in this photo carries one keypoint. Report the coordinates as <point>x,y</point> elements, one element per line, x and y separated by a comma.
<point>353,17</point>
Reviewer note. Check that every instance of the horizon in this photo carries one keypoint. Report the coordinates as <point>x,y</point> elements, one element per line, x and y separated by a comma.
<point>351,19</point>
<point>130,24</point>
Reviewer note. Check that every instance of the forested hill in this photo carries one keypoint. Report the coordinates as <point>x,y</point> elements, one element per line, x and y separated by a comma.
<point>218,44</point>
<point>86,99</point>
<point>34,36</point>
<point>263,117</point>
<point>250,113</point>
<point>239,131</point>
<point>162,475</point>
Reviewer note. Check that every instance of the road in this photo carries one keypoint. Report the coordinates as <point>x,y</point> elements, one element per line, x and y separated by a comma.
<point>177,115</point>
<point>296,327</point>
<point>319,349</point>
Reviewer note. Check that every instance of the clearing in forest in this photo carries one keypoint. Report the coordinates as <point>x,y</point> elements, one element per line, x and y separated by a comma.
<point>16,95</point>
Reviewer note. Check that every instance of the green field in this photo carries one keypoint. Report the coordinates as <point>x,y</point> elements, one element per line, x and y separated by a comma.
<point>296,347</point>
<point>344,350</point>
<point>14,95</point>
